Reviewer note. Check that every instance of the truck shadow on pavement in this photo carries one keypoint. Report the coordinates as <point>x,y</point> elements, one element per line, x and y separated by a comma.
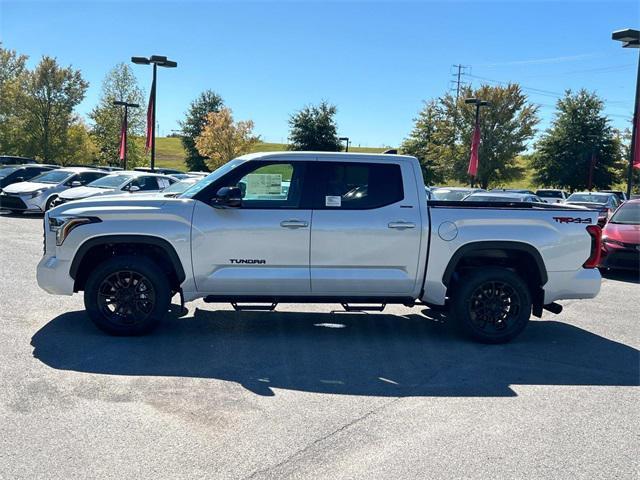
<point>342,353</point>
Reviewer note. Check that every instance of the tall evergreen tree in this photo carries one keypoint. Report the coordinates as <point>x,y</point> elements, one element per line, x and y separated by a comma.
<point>193,125</point>
<point>314,128</point>
<point>580,138</point>
<point>429,142</point>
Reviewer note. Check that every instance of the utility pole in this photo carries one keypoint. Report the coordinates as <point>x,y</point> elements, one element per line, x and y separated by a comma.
<point>458,74</point>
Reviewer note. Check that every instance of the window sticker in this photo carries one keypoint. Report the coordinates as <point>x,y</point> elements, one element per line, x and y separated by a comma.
<point>333,201</point>
<point>264,184</point>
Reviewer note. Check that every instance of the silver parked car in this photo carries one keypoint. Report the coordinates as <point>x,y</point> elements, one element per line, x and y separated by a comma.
<point>452,194</point>
<point>502,196</point>
<point>39,193</point>
<point>117,183</point>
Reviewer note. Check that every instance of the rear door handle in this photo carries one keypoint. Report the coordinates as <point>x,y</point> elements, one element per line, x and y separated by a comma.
<point>294,224</point>
<point>401,225</point>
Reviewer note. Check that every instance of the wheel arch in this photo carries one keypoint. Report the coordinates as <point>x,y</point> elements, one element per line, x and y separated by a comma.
<point>98,249</point>
<point>524,258</point>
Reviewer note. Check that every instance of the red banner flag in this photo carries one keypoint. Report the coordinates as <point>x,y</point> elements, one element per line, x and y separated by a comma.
<point>123,139</point>
<point>475,146</point>
<point>151,118</point>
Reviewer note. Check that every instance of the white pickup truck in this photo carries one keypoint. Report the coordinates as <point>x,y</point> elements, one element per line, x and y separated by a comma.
<point>354,229</point>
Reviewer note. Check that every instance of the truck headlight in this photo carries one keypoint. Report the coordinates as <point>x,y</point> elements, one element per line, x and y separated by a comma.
<point>62,226</point>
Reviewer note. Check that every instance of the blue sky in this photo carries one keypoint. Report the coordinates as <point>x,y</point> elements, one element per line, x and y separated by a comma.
<point>376,61</point>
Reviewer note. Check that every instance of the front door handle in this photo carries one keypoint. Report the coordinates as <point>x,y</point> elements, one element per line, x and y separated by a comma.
<point>294,224</point>
<point>401,225</point>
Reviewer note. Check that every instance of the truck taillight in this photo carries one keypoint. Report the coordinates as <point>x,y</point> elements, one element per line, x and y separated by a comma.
<point>596,246</point>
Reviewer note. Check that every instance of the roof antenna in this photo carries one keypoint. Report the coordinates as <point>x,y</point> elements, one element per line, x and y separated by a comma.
<point>391,151</point>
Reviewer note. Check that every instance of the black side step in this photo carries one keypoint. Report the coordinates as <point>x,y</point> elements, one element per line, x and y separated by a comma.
<point>263,308</point>
<point>363,308</point>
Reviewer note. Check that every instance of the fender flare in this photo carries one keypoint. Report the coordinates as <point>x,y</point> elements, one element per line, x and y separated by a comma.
<point>127,239</point>
<point>494,245</point>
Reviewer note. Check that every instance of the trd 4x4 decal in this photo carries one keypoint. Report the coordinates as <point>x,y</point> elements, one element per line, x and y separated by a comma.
<point>572,220</point>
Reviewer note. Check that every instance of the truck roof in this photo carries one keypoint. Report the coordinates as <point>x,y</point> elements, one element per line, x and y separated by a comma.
<point>323,156</point>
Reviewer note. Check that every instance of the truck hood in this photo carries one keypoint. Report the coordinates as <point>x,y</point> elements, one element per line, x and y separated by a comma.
<point>27,187</point>
<point>117,206</point>
<point>84,192</point>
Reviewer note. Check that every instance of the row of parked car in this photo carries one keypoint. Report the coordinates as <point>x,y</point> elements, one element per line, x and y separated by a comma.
<point>618,216</point>
<point>32,187</point>
<point>606,201</point>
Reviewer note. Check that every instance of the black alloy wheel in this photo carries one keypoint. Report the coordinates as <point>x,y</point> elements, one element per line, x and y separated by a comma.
<point>126,298</point>
<point>491,305</point>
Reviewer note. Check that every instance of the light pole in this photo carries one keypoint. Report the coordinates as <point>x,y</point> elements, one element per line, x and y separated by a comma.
<point>630,38</point>
<point>475,139</point>
<point>345,139</point>
<point>157,61</point>
<point>125,128</point>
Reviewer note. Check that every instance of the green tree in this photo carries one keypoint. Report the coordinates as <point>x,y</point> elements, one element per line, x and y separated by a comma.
<point>80,147</point>
<point>430,142</point>
<point>314,128</point>
<point>119,84</point>
<point>51,93</point>
<point>507,124</point>
<point>193,124</point>
<point>441,137</point>
<point>12,79</point>
<point>580,131</point>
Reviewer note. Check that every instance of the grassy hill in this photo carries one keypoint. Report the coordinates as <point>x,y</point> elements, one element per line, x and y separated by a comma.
<point>170,154</point>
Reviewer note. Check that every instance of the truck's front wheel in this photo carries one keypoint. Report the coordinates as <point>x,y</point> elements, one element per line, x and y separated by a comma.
<point>491,305</point>
<point>127,295</point>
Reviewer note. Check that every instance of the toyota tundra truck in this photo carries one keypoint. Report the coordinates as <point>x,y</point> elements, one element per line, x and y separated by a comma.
<point>351,229</point>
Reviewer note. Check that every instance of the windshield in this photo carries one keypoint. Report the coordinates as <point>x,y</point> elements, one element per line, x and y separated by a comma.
<point>451,195</point>
<point>549,194</point>
<point>5,172</point>
<point>209,179</point>
<point>180,187</point>
<point>110,181</point>
<point>52,177</point>
<point>588,197</point>
<point>627,214</point>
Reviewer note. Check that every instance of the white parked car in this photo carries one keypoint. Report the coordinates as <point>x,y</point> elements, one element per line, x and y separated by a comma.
<point>117,183</point>
<point>39,193</point>
<point>354,229</point>
<point>552,195</point>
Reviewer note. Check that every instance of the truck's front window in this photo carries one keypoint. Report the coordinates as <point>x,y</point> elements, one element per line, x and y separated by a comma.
<point>209,179</point>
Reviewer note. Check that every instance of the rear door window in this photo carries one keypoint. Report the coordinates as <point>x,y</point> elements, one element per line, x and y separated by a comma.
<point>357,186</point>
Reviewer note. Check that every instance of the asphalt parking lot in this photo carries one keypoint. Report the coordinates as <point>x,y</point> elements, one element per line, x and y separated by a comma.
<point>300,393</point>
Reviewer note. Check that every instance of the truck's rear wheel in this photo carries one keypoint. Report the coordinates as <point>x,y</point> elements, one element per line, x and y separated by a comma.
<point>127,295</point>
<point>491,305</point>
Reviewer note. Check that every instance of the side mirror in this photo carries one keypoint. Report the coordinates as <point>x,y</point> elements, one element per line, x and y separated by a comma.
<point>19,179</point>
<point>134,188</point>
<point>76,183</point>
<point>227,197</point>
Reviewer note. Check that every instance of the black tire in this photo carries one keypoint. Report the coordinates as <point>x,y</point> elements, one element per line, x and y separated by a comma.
<point>47,206</point>
<point>491,305</point>
<point>127,295</point>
